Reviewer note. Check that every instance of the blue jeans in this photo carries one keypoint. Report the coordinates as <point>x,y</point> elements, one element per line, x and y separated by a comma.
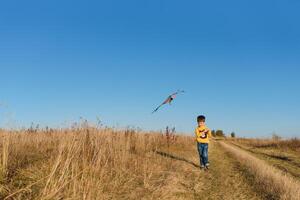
<point>203,153</point>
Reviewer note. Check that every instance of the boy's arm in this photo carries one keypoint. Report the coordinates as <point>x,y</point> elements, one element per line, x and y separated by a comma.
<point>209,133</point>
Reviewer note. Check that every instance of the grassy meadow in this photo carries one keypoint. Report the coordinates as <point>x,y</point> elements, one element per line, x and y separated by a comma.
<point>103,163</point>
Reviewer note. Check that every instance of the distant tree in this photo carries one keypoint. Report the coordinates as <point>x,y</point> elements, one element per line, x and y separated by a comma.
<point>276,137</point>
<point>220,133</point>
<point>213,133</point>
<point>233,134</point>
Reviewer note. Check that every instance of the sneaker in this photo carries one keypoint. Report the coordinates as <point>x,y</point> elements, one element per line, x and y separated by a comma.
<point>202,167</point>
<point>207,166</point>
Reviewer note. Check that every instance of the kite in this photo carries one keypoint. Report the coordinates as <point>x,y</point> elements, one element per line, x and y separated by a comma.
<point>169,99</point>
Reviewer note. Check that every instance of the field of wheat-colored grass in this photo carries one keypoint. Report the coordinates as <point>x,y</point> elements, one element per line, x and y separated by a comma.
<point>102,163</point>
<point>83,163</point>
<point>286,144</point>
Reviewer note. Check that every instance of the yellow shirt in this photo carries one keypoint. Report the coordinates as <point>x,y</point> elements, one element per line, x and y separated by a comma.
<point>202,134</point>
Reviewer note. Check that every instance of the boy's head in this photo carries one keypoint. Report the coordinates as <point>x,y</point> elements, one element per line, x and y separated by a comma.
<point>201,120</point>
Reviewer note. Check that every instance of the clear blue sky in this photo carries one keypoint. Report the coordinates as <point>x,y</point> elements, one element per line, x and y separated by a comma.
<point>237,60</point>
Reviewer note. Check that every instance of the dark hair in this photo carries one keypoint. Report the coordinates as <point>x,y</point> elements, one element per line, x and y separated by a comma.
<point>201,118</point>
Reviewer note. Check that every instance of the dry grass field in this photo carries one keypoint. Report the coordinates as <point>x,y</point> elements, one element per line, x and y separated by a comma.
<point>89,163</point>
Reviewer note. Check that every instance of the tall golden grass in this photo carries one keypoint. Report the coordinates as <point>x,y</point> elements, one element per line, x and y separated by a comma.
<point>91,163</point>
<point>277,184</point>
<point>83,163</point>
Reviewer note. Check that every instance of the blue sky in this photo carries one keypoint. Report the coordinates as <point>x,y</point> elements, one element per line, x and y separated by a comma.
<point>237,60</point>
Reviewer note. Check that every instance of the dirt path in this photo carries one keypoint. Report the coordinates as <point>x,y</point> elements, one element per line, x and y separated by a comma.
<point>224,180</point>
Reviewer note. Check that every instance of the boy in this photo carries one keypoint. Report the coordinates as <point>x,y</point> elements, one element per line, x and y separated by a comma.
<point>202,137</point>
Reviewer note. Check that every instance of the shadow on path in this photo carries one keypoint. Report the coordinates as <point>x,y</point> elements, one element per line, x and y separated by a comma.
<point>175,158</point>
